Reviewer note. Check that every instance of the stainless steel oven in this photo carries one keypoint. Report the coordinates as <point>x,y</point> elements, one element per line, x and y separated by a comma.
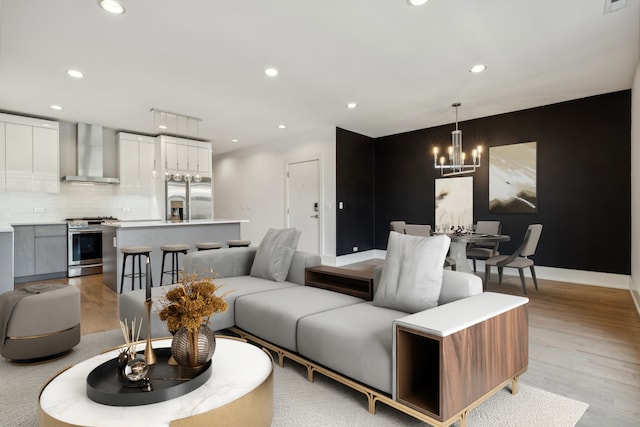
<point>85,246</point>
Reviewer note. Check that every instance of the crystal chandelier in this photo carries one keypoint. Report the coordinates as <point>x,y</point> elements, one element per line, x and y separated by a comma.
<point>456,163</point>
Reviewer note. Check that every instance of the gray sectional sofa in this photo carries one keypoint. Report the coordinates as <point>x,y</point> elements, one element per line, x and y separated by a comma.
<point>347,334</point>
<point>328,331</point>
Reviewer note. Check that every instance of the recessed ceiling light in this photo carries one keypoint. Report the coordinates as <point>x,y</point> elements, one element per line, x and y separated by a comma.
<point>282,126</point>
<point>75,74</point>
<point>351,105</point>
<point>234,140</point>
<point>112,6</point>
<point>56,107</point>
<point>162,127</point>
<point>271,72</point>
<point>478,68</point>
<point>417,2</point>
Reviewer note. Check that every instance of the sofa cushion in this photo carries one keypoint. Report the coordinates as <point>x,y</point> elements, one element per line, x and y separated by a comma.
<point>274,315</point>
<point>226,262</point>
<point>274,254</point>
<point>355,341</point>
<point>412,274</point>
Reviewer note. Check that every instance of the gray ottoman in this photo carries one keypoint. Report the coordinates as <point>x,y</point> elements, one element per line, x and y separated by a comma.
<point>40,321</point>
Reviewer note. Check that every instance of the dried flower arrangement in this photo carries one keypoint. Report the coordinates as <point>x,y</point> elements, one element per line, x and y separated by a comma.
<point>191,302</point>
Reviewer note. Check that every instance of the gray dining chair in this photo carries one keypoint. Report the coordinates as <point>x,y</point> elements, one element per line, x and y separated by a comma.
<point>398,227</point>
<point>483,251</point>
<point>418,230</point>
<point>519,259</point>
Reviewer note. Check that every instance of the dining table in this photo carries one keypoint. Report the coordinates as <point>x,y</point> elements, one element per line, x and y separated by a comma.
<point>459,242</point>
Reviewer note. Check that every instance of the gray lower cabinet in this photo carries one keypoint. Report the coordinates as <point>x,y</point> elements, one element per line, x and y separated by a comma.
<point>40,252</point>
<point>24,256</point>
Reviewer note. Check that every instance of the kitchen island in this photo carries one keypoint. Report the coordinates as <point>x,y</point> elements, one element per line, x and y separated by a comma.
<point>155,234</point>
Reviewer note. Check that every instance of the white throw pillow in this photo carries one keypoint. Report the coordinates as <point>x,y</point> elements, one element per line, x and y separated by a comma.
<point>274,254</point>
<point>411,278</point>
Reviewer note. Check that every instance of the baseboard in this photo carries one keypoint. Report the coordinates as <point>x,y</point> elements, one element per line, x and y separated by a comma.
<point>582,277</point>
<point>354,257</point>
<point>635,294</point>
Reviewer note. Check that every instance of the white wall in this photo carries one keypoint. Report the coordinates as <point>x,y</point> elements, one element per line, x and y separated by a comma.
<point>635,189</point>
<point>250,184</point>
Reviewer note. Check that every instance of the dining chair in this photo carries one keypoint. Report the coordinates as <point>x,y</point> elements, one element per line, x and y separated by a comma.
<point>519,259</point>
<point>398,227</point>
<point>484,251</point>
<point>418,230</point>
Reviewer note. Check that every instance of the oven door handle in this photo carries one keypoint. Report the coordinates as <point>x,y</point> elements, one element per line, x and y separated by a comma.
<point>85,231</point>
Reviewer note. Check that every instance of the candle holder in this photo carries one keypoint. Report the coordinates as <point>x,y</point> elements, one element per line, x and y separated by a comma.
<point>149,354</point>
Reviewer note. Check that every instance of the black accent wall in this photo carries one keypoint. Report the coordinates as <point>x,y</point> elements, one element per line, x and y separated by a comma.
<point>584,180</point>
<point>354,188</point>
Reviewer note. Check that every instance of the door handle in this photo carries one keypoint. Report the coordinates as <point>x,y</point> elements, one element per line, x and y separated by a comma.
<point>315,216</point>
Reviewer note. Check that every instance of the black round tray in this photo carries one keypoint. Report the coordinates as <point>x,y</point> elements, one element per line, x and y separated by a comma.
<point>168,382</point>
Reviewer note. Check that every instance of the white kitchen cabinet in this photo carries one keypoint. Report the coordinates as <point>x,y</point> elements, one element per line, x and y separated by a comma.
<point>31,160</point>
<point>137,164</point>
<point>187,156</point>
<point>19,157</point>
<point>200,158</point>
<point>46,176</point>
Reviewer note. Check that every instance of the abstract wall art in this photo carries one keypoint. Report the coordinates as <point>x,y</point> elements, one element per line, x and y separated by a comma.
<point>512,178</point>
<point>454,202</point>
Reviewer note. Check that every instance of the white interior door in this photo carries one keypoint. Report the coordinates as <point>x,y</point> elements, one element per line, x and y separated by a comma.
<point>303,203</point>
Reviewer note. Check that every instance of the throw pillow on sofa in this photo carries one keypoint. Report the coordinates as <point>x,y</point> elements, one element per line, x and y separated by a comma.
<point>274,254</point>
<point>411,279</point>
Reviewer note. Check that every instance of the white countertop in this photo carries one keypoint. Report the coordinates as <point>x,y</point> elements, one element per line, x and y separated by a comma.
<point>141,224</point>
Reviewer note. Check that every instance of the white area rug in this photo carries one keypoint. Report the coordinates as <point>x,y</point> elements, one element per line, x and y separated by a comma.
<point>296,401</point>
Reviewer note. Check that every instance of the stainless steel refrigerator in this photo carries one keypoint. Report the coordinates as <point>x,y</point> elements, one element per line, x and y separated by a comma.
<point>188,200</point>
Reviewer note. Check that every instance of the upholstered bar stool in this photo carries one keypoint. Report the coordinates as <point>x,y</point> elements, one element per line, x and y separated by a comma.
<point>238,243</point>
<point>135,252</point>
<point>174,251</point>
<point>205,246</point>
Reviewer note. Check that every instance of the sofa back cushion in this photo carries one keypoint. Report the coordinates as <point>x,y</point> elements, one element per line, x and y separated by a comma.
<point>274,254</point>
<point>412,274</point>
<point>300,261</point>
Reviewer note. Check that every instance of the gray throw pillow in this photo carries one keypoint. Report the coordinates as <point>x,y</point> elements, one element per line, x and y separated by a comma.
<point>412,274</point>
<point>274,254</point>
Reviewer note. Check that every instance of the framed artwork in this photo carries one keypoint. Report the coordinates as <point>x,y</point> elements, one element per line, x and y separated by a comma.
<point>512,178</point>
<point>454,202</point>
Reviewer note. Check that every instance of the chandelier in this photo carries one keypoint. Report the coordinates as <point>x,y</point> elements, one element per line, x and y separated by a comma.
<point>456,163</point>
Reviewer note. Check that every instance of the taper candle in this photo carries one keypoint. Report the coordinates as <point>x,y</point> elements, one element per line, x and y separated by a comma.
<point>148,277</point>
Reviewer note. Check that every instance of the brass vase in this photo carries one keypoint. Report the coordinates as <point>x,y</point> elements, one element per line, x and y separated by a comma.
<point>192,349</point>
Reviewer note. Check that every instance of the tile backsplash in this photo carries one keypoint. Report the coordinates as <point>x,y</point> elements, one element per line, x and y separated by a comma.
<point>76,200</point>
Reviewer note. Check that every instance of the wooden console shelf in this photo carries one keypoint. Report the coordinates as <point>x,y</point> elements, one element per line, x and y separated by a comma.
<point>350,282</point>
<point>445,367</point>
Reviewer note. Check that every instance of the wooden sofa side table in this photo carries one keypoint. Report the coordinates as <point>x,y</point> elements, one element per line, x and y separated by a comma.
<point>451,358</point>
<point>350,282</point>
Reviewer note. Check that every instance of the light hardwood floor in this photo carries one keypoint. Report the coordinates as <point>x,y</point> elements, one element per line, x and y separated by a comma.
<point>584,342</point>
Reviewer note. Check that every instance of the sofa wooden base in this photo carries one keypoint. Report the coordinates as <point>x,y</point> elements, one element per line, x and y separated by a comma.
<point>375,396</point>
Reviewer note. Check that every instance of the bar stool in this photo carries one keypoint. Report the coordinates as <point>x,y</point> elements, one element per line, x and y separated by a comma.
<point>238,243</point>
<point>134,252</point>
<point>174,250</point>
<point>205,246</point>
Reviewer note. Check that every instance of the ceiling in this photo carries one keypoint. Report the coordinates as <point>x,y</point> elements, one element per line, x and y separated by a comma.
<point>403,65</point>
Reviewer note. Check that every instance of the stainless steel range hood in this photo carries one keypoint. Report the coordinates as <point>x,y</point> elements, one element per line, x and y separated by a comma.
<point>89,156</point>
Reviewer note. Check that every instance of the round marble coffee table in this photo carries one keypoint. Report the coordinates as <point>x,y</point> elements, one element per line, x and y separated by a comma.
<point>239,392</point>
